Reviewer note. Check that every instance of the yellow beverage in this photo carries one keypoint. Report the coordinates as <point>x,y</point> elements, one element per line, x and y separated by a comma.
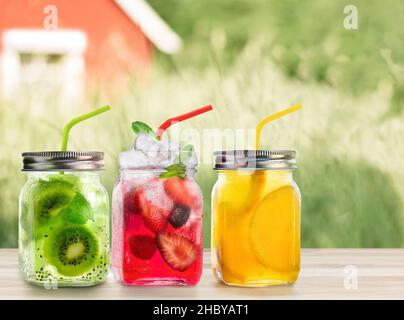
<point>256,219</point>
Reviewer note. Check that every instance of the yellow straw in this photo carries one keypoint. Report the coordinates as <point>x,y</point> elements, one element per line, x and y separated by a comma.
<point>270,118</point>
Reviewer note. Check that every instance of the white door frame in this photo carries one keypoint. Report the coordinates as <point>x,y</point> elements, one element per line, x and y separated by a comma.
<point>70,43</point>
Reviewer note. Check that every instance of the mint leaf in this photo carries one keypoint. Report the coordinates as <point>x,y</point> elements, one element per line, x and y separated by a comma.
<point>78,211</point>
<point>186,152</point>
<point>170,174</point>
<point>175,170</point>
<point>141,127</point>
<point>179,168</point>
<point>188,148</point>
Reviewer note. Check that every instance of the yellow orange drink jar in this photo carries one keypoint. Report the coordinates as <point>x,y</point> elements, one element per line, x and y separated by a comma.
<point>256,218</point>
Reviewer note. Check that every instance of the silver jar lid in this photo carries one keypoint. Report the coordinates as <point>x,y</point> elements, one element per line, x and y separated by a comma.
<point>255,159</point>
<point>63,160</point>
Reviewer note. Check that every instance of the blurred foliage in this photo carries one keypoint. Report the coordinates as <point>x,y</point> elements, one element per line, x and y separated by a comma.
<point>358,202</point>
<point>306,39</point>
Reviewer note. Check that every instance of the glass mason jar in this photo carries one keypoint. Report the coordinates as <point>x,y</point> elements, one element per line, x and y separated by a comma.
<point>157,227</point>
<point>256,218</point>
<point>64,219</point>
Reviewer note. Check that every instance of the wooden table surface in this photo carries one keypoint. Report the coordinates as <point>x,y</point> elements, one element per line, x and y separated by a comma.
<point>325,274</point>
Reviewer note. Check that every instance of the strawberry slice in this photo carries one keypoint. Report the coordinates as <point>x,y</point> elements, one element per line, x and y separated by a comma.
<point>192,231</point>
<point>154,217</point>
<point>183,191</point>
<point>142,247</point>
<point>178,252</point>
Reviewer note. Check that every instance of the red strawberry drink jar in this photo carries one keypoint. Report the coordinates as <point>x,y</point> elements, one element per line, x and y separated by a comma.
<point>157,215</point>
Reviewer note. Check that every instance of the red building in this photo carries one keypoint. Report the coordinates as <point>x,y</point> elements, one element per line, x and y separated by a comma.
<point>62,43</point>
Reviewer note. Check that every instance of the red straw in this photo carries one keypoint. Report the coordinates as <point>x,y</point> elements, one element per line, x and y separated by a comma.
<point>169,122</point>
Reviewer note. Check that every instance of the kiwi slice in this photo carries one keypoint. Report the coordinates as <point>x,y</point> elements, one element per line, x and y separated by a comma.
<point>73,250</point>
<point>50,199</point>
<point>78,211</point>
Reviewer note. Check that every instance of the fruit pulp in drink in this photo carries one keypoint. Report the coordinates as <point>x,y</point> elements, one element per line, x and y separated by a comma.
<point>256,228</point>
<point>161,224</point>
<point>64,229</point>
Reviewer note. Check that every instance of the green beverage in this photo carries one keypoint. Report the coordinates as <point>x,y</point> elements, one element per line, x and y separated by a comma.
<point>64,220</point>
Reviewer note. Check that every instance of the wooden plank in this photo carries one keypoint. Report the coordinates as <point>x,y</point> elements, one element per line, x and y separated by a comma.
<point>380,276</point>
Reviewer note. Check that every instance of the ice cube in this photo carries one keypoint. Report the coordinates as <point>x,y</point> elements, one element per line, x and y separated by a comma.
<point>191,161</point>
<point>168,150</point>
<point>170,158</point>
<point>165,163</point>
<point>174,155</point>
<point>144,142</point>
<point>132,158</point>
<point>162,153</point>
<point>167,145</point>
<point>153,155</point>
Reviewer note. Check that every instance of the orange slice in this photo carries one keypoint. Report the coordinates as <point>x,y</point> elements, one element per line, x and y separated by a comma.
<point>274,230</point>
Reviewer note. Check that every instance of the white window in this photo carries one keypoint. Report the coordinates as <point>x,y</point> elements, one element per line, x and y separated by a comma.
<point>43,63</point>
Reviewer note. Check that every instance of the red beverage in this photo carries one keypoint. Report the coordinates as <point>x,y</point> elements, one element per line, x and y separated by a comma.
<point>157,226</point>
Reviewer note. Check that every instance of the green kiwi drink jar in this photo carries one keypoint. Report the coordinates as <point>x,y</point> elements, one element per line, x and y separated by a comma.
<point>64,219</point>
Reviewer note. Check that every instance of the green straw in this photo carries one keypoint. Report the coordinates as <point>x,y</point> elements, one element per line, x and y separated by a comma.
<point>74,121</point>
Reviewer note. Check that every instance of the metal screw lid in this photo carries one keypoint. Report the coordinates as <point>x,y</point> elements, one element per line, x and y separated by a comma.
<point>255,159</point>
<point>63,160</point>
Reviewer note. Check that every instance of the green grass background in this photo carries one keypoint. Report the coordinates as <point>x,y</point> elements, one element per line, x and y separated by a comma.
<point>250,58</point>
